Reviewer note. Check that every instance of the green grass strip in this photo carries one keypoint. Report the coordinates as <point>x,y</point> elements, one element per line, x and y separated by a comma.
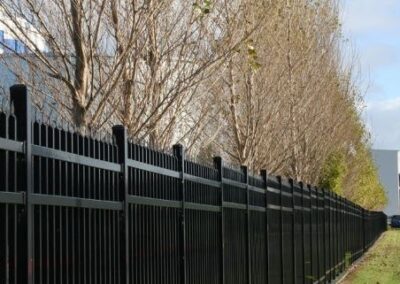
<point>381,263</point>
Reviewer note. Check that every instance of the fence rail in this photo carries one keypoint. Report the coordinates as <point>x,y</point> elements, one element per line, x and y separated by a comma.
<point>78,209</point>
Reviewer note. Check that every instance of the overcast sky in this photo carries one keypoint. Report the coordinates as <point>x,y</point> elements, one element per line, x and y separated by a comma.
<point>373,29</point>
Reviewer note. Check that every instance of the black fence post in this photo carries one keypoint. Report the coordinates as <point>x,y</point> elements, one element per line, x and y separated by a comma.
<point>218,164</point>
<point>311,235</point>
<point>329,220</point>
<point>363,228</point>
<point>301,185</point>
<point>325,239</point>
<point>318,235</point>
<point>342,234</point>
<point>120,134</point>
<point>179,153</point>
<point>21,100</point>
<point>337,233</point>
<point>279,178</point>
<point>360,235</point>
<point>346,233</point>
<point>264,176</point>
<point>350,230</point>
<point>293,232</point>
<point>248,256</point>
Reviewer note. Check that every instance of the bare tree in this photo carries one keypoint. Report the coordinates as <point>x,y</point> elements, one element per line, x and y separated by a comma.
<point>70,66</point>
<point>165,94</point>
<point>138,62</point>
<point>262,83</point>
<point>283,91</point>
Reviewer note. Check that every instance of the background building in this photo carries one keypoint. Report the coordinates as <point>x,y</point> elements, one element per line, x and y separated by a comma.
<point>388,164</point>
<point>9,46</point>
<point>8,43</point>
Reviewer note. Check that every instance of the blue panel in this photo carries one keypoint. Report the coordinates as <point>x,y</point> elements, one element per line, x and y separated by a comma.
<point>19,46</point>
<point>10,43</point>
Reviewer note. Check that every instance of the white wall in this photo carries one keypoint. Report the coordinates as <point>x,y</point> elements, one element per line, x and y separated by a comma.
<point>387,162</point>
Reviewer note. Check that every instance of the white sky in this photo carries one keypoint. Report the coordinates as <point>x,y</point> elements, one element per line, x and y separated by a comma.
<point>373,28</point>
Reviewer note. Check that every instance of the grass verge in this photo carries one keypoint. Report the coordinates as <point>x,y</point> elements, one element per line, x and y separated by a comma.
<point>381,264</point>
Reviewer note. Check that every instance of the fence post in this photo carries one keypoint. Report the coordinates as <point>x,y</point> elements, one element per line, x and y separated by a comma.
<point>363,228</point>
<point>218,164</point>
<point>120,134</point>
<point>246,178</point>
<point>179,153</point>
<point>264,176</point>
<point>311,233</point>
<point>341,244</point>
<point>350,229</point>
<point>318,235</point>
<point>342,252</point>
<point>293,232</point>
<point>345,233</point>
<point>360,236</point>
<point>340,233</point>
<point>20,98</point>
<point>329,261</point>
<point>279,178</point>
<point>301,185</point>
<point>337,225</point>
<point>325,236</point>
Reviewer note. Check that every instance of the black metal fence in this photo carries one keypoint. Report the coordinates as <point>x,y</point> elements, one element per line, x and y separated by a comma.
<point>76,209</point>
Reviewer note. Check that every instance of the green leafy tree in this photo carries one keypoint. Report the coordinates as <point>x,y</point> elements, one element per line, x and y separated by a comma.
<point>334,172</point>
<point>364,188</point>
<point>354,176</point>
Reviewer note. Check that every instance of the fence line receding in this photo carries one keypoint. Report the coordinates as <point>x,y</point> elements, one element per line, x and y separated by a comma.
<point>78,209</point>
